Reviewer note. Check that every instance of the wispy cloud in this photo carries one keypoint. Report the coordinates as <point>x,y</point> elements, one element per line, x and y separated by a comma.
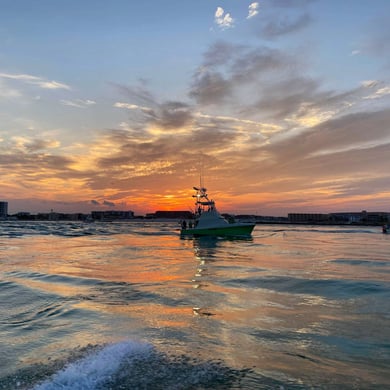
<point>41,144</point>
<point>229,69</point>
<point>379,93</point>
<point>253,10</point>
<point>79,103</point>
<point>7,92</point>
<point>166,115</point>
<point>130,106</point>
<point>283,25</point>
<point>27,144</point>
<point>222,19</point>
<point>51,85</point>
<point>108,203</point>
<point>35,80</point>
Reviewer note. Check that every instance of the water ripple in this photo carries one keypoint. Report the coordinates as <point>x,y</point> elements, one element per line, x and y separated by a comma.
<point>331,288</point>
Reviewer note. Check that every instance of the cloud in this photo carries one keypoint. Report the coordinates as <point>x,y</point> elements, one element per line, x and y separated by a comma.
<point>37,166</point>
<point>26,144</point>
<point>79,103</point>
<point>379,93</point>
<point>336,148</point>
<point>349,133</point>
<point>293,95</point>
<point>40,144</point>
<point>34,166</point>
<point>274,122</point>
<point>271,86</point>
<point>222,19</point>
<point>173,115</point>
<point>168,115</point>
<point>210,87</point>
<point>254,116</point>
<point>280,25</point>
<point>34,80</point>
<point>298,165</point>
<point>23,77</point>
<point>220,53</point>
<point>253,10</point>
<point>7,92</point>
<point>257,63</point>
<point>129,106</point>
<point>369,83</point>
<point>139,94</point>
<point>159,155</point>
<point>235,72</point>
<point>51,85</point>
<point>337,164</point>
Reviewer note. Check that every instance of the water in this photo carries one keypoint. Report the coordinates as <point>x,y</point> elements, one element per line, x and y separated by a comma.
<point>133,306</point>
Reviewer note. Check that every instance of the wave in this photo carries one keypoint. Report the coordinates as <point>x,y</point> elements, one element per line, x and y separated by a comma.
<point>362,262</point>
<point>26,309</point>
<point>329,288</point>
<point>17,229</point>
<point>88,289</point>
<point>330,229</point>
<point>54,278</point>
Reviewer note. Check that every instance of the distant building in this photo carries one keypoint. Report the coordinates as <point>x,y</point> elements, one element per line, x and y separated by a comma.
<point>346,217</point>
<point>307,218</point>
<point>375,217</point>
<point>173,214</point>
<point>25,216</point>
<point>3,209</point>
<point>360,218</point>
<point>112,215</point>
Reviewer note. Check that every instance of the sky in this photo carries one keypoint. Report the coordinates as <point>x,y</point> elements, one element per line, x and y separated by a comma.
<point>278,105</point>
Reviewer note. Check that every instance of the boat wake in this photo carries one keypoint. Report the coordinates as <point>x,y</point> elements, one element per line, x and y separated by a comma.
<point>126,365</point>
<point>97,369</point>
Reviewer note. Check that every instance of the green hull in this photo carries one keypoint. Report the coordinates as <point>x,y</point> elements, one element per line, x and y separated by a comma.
<point>230,231</point>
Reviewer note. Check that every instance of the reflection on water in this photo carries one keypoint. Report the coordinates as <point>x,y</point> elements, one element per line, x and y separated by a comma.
<point>291,307</point>
<point>204,253</point>
<point>207,252</point>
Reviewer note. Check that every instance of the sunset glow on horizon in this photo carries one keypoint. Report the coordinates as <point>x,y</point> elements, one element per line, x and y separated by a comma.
<point>281,106</point>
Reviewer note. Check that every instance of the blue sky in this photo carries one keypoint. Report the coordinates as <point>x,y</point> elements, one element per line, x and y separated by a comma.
<point>284,104</point>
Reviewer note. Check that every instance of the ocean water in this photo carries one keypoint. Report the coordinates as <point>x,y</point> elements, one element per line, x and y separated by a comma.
<point>134,306</point>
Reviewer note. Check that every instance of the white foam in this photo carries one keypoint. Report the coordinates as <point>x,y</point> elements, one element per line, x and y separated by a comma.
<point>91,371</point>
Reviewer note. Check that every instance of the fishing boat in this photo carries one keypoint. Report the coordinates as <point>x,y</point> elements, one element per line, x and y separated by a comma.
<point>209,222</point>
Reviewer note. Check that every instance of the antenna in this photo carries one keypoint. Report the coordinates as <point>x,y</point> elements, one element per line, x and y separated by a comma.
<point>201,172</point>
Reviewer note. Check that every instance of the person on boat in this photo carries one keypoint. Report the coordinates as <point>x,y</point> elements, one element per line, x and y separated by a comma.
<point>385,228</point>
<point>184,225</point>
<point>190,224</point>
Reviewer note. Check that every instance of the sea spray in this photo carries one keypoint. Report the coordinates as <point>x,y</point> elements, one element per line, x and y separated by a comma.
<point>94,370</point>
